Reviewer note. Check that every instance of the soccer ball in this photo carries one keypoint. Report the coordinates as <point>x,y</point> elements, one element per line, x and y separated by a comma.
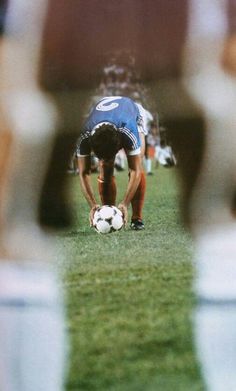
<point>108,219</point>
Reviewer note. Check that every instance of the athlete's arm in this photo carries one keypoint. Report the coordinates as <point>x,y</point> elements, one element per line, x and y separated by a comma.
<point>135,168</point>
<point>84,165</point>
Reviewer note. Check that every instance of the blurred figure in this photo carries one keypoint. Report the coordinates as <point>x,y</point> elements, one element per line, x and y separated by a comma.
<point>32,336</point>
<point>163,150</point>
<point>120,77</point>
<point>120,161</point>
<point>147,120</point>
<point>209,66</point>
<point>152,140</point>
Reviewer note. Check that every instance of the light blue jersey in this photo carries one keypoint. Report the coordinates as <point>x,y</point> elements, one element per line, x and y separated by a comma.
<point>119,111</point>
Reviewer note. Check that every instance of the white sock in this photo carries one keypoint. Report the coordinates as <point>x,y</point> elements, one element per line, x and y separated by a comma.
<point>148,165</point>
<point>215,317</point>
<point>31,329</point>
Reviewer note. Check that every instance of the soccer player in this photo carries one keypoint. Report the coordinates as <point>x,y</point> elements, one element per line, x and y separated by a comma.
<point>114,123</point>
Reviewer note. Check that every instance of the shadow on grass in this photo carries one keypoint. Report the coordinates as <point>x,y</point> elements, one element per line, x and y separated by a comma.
<point>78,232</point>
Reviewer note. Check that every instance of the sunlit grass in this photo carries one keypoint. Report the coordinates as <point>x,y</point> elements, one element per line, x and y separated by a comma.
<point>129,298</point>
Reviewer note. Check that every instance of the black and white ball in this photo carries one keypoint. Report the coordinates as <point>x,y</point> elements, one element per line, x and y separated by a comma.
<point>108,219</point>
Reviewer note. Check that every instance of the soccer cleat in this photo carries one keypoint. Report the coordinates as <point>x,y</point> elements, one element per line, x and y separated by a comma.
<point>137,224</point>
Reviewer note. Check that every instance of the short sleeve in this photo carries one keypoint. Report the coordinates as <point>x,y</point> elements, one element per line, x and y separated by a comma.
<point>83,146</point>
<point>130,142</point>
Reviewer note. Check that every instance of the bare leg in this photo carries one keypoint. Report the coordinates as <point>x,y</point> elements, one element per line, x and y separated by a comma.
<point>107,183</point>
<point>138,199</point>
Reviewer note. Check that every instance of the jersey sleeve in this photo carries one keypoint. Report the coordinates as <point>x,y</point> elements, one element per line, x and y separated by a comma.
<point>83,147</point>
<point>130,142</point>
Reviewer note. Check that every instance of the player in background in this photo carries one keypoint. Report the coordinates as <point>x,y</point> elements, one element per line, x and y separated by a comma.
<point>115,123</point>
<point>158,148</point>
<point>147,121</point>
<point>163,150</point>
<point>152,139</point>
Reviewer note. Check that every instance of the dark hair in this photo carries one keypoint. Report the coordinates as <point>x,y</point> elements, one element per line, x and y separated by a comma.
<point>106,142</point>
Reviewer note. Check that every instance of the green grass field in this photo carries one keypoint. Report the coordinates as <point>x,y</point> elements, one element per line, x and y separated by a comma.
<point>129,298</point>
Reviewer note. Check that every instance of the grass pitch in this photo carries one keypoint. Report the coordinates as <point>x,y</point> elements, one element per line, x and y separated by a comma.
<point>129,298</point>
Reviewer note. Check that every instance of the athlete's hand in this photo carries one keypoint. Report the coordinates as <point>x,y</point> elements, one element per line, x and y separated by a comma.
<point>91,214</point>
<point>123,208</point>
